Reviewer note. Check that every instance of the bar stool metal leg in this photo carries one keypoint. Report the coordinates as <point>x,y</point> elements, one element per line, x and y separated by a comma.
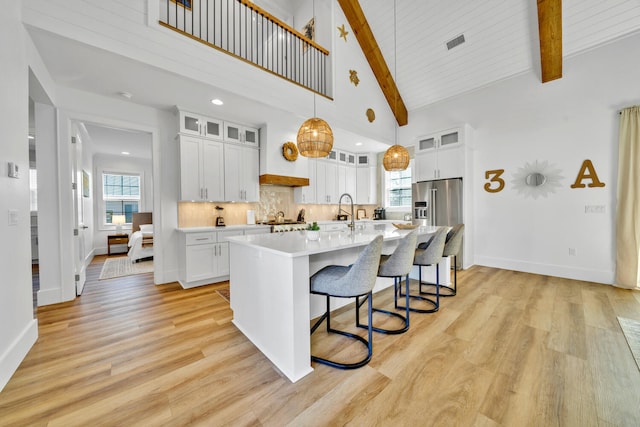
<point>396,281</point>
<point>368,343</point>
<point>435,302</point>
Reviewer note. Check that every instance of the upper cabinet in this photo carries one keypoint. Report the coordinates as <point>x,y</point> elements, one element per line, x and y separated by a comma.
<point>241,173</point>
<point>440,155</point>
<point>307,194</point>
<point>197,125</point>
<point>219,161</point>
<point>234,132</point>
<point>201,169</point>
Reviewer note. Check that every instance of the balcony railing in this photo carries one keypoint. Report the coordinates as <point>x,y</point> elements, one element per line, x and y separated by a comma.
<point>243,30</point>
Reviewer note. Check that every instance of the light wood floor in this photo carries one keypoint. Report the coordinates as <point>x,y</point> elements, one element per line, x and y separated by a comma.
<point>512,349</point>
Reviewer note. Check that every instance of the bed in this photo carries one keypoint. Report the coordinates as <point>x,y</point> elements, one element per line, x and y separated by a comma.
<point>141,239</point>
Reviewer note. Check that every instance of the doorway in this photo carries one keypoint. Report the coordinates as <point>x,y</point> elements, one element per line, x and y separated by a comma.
<point>114,172</point>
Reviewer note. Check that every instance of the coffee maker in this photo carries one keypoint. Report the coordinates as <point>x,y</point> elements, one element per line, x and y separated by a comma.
<point>379,213</point>
<point>219,218</point>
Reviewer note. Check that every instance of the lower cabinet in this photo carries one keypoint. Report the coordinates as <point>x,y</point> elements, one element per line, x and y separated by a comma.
<point>204,256</point>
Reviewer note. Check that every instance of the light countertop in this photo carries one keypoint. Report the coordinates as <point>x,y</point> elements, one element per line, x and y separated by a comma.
<point>296,243</point>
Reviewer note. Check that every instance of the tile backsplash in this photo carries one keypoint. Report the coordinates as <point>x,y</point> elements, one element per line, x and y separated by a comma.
<point>273,198</point>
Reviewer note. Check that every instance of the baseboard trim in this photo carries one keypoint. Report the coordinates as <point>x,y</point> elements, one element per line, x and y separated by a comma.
<point>15,354</point>
<point>48,296</point>
<point>576,273</point>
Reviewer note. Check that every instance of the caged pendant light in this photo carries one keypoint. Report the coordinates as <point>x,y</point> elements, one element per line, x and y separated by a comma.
<point>396,158</point>
<point>315,137</point>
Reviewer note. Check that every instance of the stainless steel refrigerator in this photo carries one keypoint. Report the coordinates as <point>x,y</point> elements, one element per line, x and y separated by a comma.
<point>438,202</point>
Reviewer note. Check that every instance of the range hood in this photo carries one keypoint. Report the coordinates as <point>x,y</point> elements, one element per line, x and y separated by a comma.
<point>288,181</point>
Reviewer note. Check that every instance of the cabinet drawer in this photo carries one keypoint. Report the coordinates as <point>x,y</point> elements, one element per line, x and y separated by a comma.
<point>200,238</point>
<point>223,235</point>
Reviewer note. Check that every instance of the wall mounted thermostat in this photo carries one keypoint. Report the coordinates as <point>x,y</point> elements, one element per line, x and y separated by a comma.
<point>13,170</point>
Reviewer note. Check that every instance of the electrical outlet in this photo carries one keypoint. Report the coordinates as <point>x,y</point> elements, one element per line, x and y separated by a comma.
<point>572,252</point>
<point>594,209</point>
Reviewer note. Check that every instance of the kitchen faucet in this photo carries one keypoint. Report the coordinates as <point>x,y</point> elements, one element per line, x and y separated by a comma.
<point>352,225</point>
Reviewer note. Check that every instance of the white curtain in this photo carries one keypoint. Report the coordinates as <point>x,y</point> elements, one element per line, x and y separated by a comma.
<point>628,207</point>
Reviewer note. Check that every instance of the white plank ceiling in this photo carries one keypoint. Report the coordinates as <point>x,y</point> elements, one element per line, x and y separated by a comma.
<point>501,40</point>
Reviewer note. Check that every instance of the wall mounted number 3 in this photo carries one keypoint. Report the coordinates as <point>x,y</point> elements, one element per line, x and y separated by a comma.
<point>495,183</point>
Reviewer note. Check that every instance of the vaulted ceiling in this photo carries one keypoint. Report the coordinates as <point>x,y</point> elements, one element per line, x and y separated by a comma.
<point>501,40</point>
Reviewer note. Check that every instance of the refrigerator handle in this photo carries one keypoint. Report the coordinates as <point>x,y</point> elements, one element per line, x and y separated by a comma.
<point>432,205</point>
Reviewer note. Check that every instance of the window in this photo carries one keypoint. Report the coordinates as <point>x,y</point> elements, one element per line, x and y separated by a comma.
<point>121,195</point>
<point>397,189</point>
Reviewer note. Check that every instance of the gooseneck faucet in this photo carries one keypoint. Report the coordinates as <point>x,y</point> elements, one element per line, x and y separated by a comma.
<point>352,225</point>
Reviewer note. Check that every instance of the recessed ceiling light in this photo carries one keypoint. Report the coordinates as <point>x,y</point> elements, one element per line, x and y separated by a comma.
<point>127,95</point>
<point>217,101</point>
<point>126,153</point>
<point>358,144</point>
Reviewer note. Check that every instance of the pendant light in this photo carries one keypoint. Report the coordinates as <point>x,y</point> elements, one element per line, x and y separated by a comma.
<point>396,158</point>
<point>315,137</point>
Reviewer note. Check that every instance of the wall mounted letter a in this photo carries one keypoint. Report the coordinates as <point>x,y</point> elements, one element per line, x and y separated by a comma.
<point>591,174</point>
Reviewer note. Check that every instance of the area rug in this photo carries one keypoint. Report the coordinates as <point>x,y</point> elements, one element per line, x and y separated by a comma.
<point>224,293</point>
<point>122,266</point>
<point>631,330</point>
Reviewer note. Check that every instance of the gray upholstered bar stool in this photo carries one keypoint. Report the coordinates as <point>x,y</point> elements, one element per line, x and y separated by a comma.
<point>396,265</point>
<point>424,257</point>
<point>452,247</point>
<point>355,280</point>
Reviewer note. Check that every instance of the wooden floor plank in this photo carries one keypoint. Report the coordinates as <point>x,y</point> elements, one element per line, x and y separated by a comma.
<point>510,349</point>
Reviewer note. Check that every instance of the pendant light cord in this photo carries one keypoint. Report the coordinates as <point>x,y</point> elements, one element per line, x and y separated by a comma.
<point>395,72</point>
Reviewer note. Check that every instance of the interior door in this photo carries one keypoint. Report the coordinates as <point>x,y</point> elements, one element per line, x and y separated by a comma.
<point>80,182</point>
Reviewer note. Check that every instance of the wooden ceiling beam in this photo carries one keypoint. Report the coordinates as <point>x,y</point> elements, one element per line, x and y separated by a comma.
<point>550,33</point>
<point>358,22</point>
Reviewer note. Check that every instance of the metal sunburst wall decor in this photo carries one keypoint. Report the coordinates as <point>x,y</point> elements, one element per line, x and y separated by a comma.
<point>537,179</point>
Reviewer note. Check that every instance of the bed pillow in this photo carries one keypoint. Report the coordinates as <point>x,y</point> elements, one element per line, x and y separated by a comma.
<point>146,229</point>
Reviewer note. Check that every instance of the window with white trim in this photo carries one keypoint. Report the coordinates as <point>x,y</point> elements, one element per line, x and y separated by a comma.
<point>121,195</point>
<point>397,189</point>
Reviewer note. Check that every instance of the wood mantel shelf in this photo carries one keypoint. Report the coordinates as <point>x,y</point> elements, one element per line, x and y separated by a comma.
<point>289,181</point>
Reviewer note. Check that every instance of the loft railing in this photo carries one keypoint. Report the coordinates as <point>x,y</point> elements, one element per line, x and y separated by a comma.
<point>243,30</point>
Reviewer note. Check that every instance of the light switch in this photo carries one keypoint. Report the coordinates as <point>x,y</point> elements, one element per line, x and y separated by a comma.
<point>13,217</point>
<point>13,170</point>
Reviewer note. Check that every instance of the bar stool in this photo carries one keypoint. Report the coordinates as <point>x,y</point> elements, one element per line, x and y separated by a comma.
<point>355,280</point>
<point>424,257</point>
<point>396,265</point>
<point>452,247</point>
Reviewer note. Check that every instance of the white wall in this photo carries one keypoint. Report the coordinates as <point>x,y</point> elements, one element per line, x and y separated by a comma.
<point>18,329</point>
<point>103,163</point>
<point>563,122</point>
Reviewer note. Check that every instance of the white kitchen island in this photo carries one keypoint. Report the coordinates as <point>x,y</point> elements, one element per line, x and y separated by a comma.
<point>269,285</point>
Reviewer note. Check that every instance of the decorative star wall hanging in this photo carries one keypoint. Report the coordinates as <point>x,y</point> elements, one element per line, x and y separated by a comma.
<point>353,76</point>
<point>343,32</point>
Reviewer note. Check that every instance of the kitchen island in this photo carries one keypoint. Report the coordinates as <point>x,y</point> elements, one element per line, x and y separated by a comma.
<point>269,283</point>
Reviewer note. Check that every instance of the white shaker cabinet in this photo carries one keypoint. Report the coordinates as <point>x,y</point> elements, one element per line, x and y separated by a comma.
<point>201,169</point>
<point>204,255</point>
<point>366,180</point>
<point>241,178</point>
<point>440,155</point>
<point>241,134</point>
<point>366,191</point>
<point>307,194</point>
<point>198,125</point>
<point>327,182</point>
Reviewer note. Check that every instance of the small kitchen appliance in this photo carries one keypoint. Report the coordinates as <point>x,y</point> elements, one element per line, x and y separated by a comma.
<point>219,218</point>
<point>379,213</point>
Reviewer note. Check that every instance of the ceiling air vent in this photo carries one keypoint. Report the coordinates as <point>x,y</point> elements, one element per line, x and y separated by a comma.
<point>455,42</point>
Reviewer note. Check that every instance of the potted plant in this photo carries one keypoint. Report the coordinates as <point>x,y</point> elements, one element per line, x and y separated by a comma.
<point>313,231</point>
